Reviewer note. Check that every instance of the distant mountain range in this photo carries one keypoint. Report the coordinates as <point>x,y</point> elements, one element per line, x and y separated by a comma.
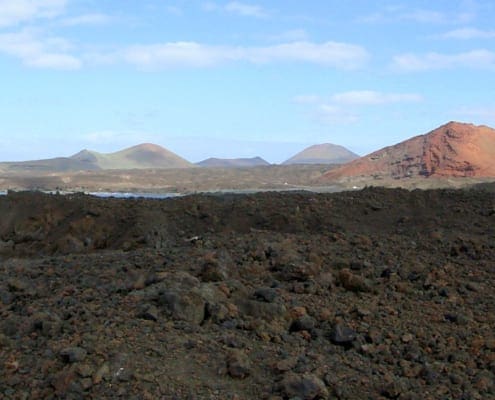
<point>152,156</point>
<point>452,150</point>
<point>142,156</point>
<point>326,153</point>
<point>233,162</point>
<point>59,164</point>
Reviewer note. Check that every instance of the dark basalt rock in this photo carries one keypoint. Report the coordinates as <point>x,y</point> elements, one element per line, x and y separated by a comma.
<point>265,296</point>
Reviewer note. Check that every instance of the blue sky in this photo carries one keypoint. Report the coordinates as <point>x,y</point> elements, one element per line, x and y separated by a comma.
<point>239,78</point>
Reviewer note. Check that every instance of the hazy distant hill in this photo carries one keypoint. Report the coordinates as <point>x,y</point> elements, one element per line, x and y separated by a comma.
<point>326,153</point>
<point>452,150</point>
<point>232,162</point>
<point>145,155</point>
<point>142,156</point>
<point>59,164</point>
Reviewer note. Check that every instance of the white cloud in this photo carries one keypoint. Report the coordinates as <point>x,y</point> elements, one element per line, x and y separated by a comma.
<point>485,113</point>
<point>424,16</point>
<point>87,19</point>
<point>246,10</point>
<point>395,14</point>
<point>106,137</point>
<point>307,99</point>
<point>13,12</point>
<point>174,10</point>
<point>238,8</point>
<point>346,107</point>
<point>37,51</point>
<point>359,98</point>
<point>476,59</point>
<point>333,114</point>
<point>211,6</point>
<point>293,35</point>
<point>468,33</point>
<point>340,55</point>
<point>369,97</point>
<point>101,137</point>
<point>178,54</point>
<point>192,54</point>
<point>54,61</point>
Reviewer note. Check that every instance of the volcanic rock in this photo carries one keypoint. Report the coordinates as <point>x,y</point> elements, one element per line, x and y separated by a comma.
<point>6,247</point>
<point>305,323</point>
<point>73,354</point>
<point>292,316</point>
<point>238,364</point>
<point>342,335</point>
<point>266,294</point>
<point>150,312</point>
<point>353,282</point>
<point>183,306</point>
<point>305,387</point>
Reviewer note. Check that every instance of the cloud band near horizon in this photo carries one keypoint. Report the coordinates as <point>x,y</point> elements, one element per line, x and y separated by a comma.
<point>197,55</point>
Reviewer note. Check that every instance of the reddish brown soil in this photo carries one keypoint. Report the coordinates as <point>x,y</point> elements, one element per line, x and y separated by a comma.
<point>376,294</point>
<point>453,150</point>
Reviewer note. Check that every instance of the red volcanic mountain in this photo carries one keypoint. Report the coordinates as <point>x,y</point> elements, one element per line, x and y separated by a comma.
<point>452,150</point>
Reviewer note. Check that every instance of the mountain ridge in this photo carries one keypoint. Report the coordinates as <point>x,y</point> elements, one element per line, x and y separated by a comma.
<point>141,156</point>
<point>325,153</point>
<point>454,149</point>
<point>214,162</point>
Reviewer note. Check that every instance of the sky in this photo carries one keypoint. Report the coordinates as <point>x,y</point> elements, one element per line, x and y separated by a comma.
<point>239,78</point>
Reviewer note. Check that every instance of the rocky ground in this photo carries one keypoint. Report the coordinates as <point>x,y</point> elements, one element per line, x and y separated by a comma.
<point>375,294</point>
